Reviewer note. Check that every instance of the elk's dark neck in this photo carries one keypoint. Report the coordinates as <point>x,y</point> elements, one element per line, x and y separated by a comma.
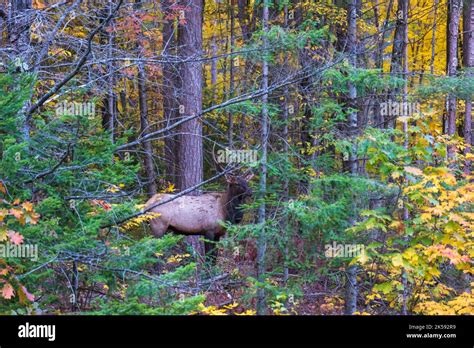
<point>233,207</point>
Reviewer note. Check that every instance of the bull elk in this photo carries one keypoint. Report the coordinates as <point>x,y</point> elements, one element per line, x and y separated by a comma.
<point>201,215</point>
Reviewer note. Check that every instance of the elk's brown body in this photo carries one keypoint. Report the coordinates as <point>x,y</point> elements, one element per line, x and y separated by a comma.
<point>200,215</point>
<point>189,214</point>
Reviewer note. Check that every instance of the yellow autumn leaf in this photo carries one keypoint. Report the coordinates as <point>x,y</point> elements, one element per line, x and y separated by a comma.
<point>170,188</point>
<point>3,236</point>
<point>397,260</point>
<point>425,217</point>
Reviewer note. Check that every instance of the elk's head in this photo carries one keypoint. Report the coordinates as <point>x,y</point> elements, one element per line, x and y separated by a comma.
<point>238,190</point>
<point>239,187</point>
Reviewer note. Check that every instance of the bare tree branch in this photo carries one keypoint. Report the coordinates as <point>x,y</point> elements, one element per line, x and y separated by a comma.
<point>79,64</point>
<point>248,96</point>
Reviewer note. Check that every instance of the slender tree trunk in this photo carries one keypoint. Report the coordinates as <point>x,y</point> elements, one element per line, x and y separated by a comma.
<point>351,272</point>
<point>406,6</point>
<point>214,65</point>
<point>19,27</point>
<point>468,52</point>
<point>454,15</point>
<point>246,23</point>
<point>398,50</point>
<point>383,37</point>
<point>378,117</point>
<point>3,24</point>
<point>147,148</point>
<point>19,32</point>
<point>123,98</point>
<point>433,40</point>
<point>262,242</point>
<point>230,132</point>
<point>399,69</point>
<point>111,98</point>
<point>286,190</point>
<point>352,49</point>
<point>433,36</point>
<point>286,181</point>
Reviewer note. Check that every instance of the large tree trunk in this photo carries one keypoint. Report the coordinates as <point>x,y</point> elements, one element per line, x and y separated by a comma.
<point>169,90</point>
<point>190,140</point>
<point>468,59</point>
<point>454,15</point>
<point>190,152</point>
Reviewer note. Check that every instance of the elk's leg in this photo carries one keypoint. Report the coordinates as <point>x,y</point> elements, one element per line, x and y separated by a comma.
<point>158,227</point>
<point>210,246</point>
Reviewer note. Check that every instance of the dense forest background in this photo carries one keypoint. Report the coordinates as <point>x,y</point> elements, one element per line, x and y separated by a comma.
<point>359,113</point>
